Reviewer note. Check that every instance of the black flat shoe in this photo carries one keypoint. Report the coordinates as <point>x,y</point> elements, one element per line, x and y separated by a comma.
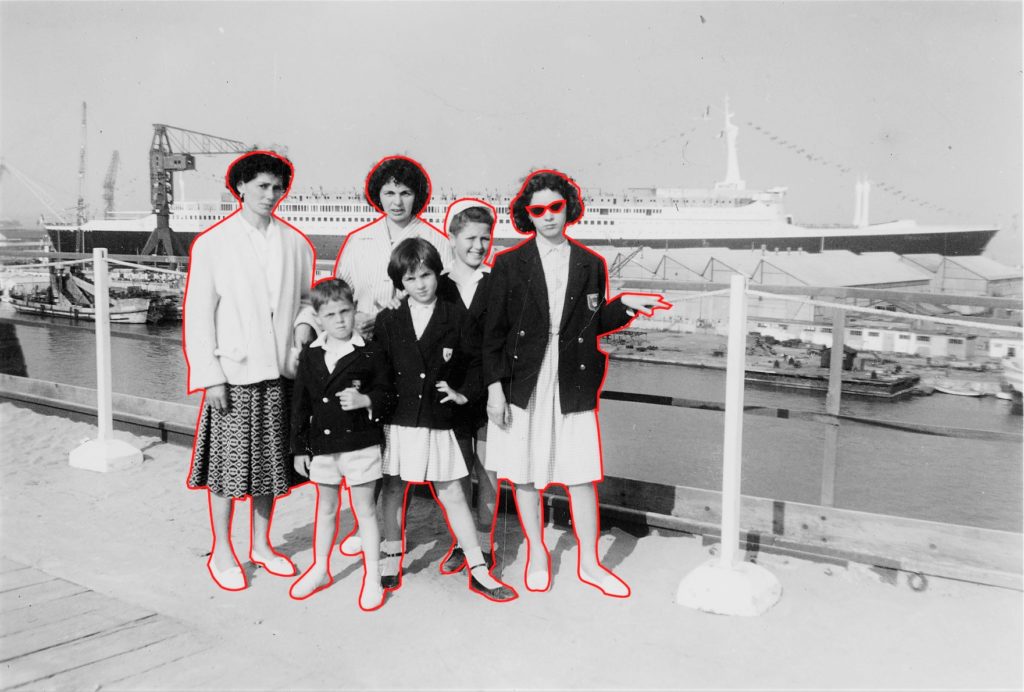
<point>499,594</point>
<point>455,562</point>
<point>391,582</point>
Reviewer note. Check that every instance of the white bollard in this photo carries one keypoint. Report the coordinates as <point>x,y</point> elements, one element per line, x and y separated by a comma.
<point>729,585</point>
<point>104,453</point>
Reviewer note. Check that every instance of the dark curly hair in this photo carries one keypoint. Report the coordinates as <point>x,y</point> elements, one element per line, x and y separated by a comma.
<point>247,167</point>
<point>553,180</point>
<point>403,171</point>
<point>410,254</point>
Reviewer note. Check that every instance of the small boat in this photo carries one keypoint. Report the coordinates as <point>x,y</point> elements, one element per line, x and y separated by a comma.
<point>70,295</point>
<point>959,388</point>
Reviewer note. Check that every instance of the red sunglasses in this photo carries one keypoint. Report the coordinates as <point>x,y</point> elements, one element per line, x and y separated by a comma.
<point>538,210</point>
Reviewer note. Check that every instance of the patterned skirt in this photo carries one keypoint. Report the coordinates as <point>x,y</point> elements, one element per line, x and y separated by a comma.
<point>542,445</point>
<point>246,450</point>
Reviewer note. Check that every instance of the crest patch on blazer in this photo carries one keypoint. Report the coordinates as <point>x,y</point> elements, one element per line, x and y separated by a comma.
<point>446,353</point>
<point>592,301</point>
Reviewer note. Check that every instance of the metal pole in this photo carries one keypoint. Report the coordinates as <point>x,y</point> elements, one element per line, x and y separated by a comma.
<point>101,295</point>
<point>732,448</point>
<point>832,400</point>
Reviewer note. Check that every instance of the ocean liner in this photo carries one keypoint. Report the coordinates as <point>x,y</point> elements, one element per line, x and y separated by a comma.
<point>727,215</point>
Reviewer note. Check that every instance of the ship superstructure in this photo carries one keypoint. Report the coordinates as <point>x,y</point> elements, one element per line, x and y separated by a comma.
<point>726,215</point>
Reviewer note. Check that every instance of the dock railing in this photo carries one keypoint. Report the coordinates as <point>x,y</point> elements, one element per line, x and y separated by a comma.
<point>736,522</point>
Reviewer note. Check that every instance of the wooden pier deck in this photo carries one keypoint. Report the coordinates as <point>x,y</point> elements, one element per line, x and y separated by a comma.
<point>55,635</point>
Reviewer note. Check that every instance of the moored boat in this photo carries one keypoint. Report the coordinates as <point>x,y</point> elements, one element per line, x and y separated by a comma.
<point>70,295</point>
<point>958,388</point>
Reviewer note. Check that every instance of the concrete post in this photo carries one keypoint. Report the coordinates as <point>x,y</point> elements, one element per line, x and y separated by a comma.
<point>729,585</point>
<point>104,453</point>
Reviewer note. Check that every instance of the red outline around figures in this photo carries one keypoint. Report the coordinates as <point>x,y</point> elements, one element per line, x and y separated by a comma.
<point>662,304</point>
<point>451,531</point>
<point>202,404</point>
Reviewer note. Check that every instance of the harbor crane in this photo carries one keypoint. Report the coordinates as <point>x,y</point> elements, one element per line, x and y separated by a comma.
<point>174,149</point>
<point>108,183</point>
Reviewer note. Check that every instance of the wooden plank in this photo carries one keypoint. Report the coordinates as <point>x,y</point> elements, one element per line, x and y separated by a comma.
<point>124,670</point>
<point>945,549</point>
<point>55,633</point>
<point>23,577</point>
<point>90,649</point>
<point>54,611</point>
<point>7,565</point>
<point>37,593</point>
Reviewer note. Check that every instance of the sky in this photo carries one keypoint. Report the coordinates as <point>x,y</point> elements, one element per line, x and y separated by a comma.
<point>922,98</point>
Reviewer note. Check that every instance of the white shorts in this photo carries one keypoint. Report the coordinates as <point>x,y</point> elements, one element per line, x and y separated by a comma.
<point>356,467</point>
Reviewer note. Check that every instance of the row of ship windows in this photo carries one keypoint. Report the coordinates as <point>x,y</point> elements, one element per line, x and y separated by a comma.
<point>212,217</point>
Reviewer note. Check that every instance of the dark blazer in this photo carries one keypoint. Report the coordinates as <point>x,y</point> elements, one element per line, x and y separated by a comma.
<point>470,417</point>
<point>319,425</point>
<point>517,326</point>
<point>418,365</point>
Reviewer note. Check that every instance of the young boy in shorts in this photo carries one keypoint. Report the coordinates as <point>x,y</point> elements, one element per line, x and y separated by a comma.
<point>342,389</point>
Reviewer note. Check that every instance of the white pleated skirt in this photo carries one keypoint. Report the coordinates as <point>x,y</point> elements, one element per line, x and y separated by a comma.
<point>542,445</point>
<point>422,454</point>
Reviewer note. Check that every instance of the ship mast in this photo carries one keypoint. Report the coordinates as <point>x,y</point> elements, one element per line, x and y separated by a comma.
<point>732,165</point>
<point>80,207</point>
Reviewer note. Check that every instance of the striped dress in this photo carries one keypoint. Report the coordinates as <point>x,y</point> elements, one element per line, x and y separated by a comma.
<point>363,260</point>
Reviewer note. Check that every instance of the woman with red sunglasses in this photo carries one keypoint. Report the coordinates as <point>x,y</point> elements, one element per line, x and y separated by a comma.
<point>543,368</point>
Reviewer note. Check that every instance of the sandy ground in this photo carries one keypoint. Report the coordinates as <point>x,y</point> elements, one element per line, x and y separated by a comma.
<point>140,536</point>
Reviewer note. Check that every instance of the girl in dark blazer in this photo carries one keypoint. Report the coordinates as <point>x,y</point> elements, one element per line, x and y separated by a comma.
<point>434,373</point>
<point>543,370</point>
<point>470,224</point>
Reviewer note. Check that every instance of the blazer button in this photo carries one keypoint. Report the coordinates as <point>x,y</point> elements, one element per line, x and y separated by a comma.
<point>327,431</point>
<point>515,357</point>
<point>582,366</point>
<point>423,375</point>
<point>326,400</point>
<point>419,396</point>
<point>580,340</point>
<point>522,332</point>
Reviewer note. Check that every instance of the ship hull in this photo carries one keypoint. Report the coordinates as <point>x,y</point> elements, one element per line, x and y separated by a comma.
<point>951,244</point>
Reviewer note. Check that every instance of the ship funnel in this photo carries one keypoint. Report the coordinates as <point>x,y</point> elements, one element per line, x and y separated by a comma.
<point>860,208</point>
<point>732,181</point>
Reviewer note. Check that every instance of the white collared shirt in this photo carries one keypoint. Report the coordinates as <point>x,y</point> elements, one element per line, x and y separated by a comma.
<point>467,285</point>
<point>267,246</point>
<point>421,315</point>
<point>335,350</point>
<point>554,260</point>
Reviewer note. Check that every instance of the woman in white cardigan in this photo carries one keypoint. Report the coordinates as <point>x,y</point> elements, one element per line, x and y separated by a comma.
<point>248,276</point>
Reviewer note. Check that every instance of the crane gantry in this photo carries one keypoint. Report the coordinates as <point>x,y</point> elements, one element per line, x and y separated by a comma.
<point>174,149</point>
